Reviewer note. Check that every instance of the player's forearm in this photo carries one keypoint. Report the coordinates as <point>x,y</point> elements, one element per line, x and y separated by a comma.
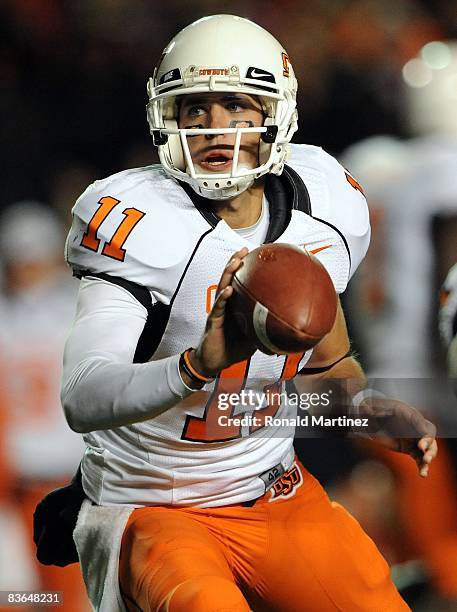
<point>347,369</point>
<point>101,386</point>
<point>346,378</point>
<point>103,395</point>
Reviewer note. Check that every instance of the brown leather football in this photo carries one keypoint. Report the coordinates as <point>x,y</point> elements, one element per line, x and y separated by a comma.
<point>283,300</point>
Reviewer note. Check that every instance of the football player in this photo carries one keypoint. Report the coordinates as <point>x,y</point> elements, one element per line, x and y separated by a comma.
<point>182,511</point>
<point>413,184</point>
<point>37,305</point>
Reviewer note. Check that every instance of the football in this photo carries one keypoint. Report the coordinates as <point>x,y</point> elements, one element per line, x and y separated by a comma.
<point>283,299</point>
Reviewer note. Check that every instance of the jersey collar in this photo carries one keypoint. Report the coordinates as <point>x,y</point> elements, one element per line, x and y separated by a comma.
<point>284,193</point>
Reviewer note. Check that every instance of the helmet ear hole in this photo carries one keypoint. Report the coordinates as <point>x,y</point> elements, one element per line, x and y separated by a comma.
<point>270,135</point>
<point>158,138</point>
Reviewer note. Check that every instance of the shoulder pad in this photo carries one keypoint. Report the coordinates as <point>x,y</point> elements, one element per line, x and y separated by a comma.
<point>336,198</point>
<point>131,225</point>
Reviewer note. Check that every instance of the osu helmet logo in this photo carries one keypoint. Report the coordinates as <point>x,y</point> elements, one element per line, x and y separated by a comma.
<point>285,64</point>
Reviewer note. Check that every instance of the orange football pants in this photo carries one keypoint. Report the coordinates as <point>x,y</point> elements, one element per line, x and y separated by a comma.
<point>295,552</point>
<point>431,532</point>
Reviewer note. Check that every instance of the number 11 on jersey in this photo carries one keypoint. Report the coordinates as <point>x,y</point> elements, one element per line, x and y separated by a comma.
<point>113,248</point>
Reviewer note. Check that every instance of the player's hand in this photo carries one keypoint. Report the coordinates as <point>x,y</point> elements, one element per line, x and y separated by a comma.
<point>222,343</point>
<point>403,428</point>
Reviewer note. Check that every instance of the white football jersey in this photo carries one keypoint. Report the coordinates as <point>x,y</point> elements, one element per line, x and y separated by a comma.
<point>145,228</point>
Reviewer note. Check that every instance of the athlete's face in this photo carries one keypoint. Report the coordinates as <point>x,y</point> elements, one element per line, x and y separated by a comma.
<point>214,152</point>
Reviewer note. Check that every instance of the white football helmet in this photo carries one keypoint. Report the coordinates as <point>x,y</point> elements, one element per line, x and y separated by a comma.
<point>223,53</point>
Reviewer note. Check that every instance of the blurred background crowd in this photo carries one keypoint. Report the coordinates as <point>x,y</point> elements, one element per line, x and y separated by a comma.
<point>73,77</point>
<point>377,88</point>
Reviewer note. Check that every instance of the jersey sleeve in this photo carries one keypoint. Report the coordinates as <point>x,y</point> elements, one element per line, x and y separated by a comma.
<point>347,210</point>
<point>121,229</point>
<point>101,387</point>
<point>338,201</point>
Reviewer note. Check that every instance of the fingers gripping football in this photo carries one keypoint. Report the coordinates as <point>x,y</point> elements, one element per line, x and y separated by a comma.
<point>222,344</point>
<point>225,289</point>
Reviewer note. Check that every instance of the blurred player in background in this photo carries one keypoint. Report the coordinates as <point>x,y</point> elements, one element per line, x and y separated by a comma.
<point>199,505</point>
<point>36,309</point>
<point>412,185</point>
<point>413,189</point>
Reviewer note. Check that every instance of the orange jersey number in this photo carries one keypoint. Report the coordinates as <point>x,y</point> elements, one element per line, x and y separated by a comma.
<point>113,248</point>
<point>211,428</point>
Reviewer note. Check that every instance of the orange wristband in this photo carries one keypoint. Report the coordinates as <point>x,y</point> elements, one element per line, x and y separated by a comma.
<point>190,370</point>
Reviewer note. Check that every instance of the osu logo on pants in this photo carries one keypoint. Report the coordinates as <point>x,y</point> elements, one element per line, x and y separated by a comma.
<point>287,485</point>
